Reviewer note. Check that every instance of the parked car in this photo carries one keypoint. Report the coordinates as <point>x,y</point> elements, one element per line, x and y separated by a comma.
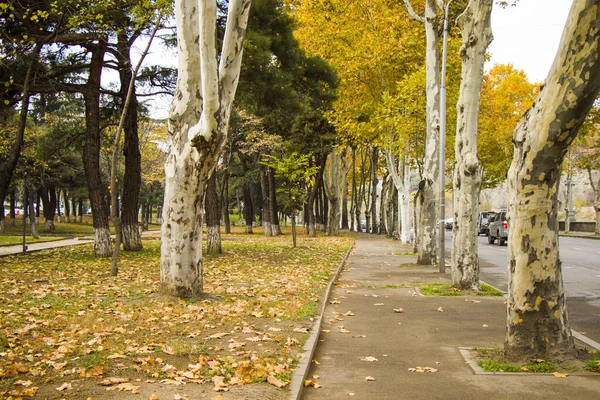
<point>483,222</point>
<point>449,223</point>
<point>498,229</point>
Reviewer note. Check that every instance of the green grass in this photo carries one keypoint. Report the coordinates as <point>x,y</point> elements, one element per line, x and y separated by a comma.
<point>405,253</point>
<point>594,364</point>
<point>494,361</point>
<point>11,240</point>
<point>446,289</point>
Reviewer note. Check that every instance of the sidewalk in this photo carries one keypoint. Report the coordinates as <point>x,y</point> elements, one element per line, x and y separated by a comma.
<point>18,249</point>
<point>424,335</point>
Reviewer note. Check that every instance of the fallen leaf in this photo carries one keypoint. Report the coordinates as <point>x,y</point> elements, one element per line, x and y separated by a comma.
<point>369,378</point>
<point>559,375</point>
<point>378,304</point>
<point>113,381</point>
<point>276,382</point>
<point>310,382</point>
<point>349,314</point>
<point>115,356</point>
<point>64,386</point>
<point>369,359</point>
<point>422,369</point>
<point>440,309</point>
<point>484,325</point>
<point>342,330</point>
<point>399,310</point>
<point>351,394</point>
<point>153,397</point>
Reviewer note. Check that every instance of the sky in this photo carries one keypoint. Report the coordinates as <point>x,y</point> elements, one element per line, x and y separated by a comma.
<point>527,35</point>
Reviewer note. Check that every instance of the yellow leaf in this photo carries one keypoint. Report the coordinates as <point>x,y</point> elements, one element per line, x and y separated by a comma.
<point>559,375</point>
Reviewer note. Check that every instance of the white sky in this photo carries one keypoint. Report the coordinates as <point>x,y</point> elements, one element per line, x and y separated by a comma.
<point>527,35</point>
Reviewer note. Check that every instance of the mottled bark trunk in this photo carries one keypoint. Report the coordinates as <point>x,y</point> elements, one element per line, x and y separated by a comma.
<point>476,36</point>
<point>212,213</point>
<point>132,179</point>
<point>199,121</point>
<point>91,155</point>
<point>537,319</point>
<point>426,243</point>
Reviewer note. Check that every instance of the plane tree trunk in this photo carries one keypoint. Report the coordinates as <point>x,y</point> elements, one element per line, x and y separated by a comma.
<point>537,319</point>
<point>476,36</point>
<point>199,120</point>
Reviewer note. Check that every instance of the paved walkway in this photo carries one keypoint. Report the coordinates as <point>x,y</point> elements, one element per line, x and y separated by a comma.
<point>18,249</point>
<point>360,322</point>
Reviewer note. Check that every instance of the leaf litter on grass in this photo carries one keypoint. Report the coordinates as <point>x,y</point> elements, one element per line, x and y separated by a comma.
<point>67,321</point>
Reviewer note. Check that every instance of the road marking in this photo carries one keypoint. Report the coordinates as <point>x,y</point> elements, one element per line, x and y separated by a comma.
<point>577,248</point>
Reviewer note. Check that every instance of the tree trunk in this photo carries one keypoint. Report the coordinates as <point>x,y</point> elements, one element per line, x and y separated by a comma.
<point>212,212</point>
<point>345,224</point>
<point>7,167</point>
<point>382,205</point>
<point>48,196</point>
<point>374,185</point>
<point>248,207</point>
<point>312,197</point>
<point>266,201</point>
<point>225,201</point>
<point>13,202</point>
<point>294,228</point>
<point>426,244</point>
<point>596,191</point>
<point>353,193</point>
<point>537,319</point>
<point>275,228</point>
<point>67,205</point>
<point>199,120</point>
<point>32,221</point>
<point>132,179</point>
<point>80,210</point>
<point>476,36</point>
<point>57,204</point>
<point>333,185</point>
<point>91,155</point>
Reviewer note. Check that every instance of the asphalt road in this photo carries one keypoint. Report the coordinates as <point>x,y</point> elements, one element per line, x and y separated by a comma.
<point>581,277</point>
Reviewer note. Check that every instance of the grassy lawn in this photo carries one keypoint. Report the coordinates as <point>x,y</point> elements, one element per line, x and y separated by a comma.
<point>63,228</point>
<point>66,321</point>
<point>446,289</point>
<point>8,240</point>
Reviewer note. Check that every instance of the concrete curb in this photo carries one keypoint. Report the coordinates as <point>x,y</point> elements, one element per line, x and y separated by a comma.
<point>301,371</point>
